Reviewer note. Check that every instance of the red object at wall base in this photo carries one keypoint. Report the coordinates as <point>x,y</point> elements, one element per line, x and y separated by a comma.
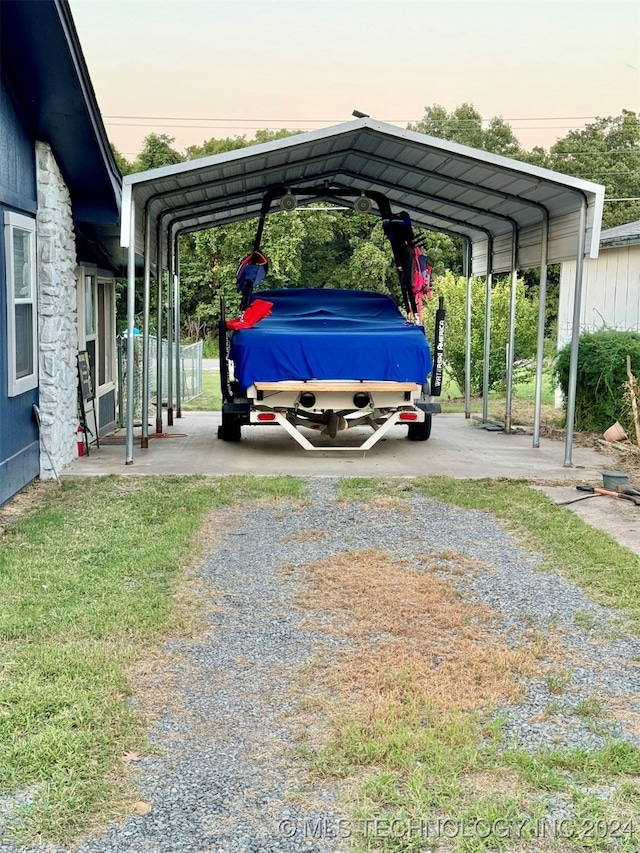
<point>80,440</point>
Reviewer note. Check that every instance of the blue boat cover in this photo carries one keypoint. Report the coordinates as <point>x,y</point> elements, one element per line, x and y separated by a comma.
<point>330,334</point>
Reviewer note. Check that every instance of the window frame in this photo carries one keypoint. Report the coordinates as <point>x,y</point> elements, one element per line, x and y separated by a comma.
<point>20,385</point>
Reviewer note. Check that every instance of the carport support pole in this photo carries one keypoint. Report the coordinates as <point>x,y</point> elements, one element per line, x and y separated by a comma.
<point>510,349</point>
<point>177,322</point>
<point>160,320</point>
<point>144,440</point>
<point>542,316</point>
<point>169,330</point>
<point>467,334</point>
<point>487,331</point>
<point>131,310</point>
<point>512,331</point>
<point>575,337</point>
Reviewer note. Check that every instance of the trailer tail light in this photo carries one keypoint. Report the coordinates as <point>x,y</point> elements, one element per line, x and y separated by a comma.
<point>408,416</point>
<point>266,416</point>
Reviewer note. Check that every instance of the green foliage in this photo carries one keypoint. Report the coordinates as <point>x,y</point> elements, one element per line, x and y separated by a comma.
<point>220,146</point>
<point>607,152</point>
<point>465,125</point>
<point>157,152</point>
<point>209,260</point>
<point>531,278</point>
<point>211,147</point>
<point>123,164</point>
<point>602,372</point>
<point>453,289</point>
<point>306,248</point>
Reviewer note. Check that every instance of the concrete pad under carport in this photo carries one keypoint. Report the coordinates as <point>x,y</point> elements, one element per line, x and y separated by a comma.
<point>457,448</point>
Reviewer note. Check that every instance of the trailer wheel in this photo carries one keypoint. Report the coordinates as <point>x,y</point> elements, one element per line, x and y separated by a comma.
<point>229,429</point>
<point>420,431</point>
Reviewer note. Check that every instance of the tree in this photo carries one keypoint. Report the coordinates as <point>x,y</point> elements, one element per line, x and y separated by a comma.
<point>607,152</point>
<point>465,125</point>
<point>156,152</point>
<point>122,163</point>
<point>209,260</point>
<point>453,288</point>
<point>221,146</point>
<point>216,146</point>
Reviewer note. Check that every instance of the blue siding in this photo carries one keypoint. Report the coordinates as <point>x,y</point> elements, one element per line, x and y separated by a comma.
<point>19,471</point>
<point>17,158</point>
<point>19,451</point>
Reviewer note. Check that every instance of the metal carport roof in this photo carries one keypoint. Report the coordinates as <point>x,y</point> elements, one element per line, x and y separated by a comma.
<point>511,215</point>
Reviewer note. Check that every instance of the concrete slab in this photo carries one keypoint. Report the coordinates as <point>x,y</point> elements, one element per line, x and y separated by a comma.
<point>617,517</point>
<point>457,448</point>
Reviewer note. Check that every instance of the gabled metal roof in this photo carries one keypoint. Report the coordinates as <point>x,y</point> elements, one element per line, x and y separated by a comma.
<point>443,185</point>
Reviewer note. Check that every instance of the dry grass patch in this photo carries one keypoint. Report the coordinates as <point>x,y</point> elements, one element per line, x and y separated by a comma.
<point>399,504</point>
<point>409,699</point>
<point>413,636</point>
<point>452,563</point>
<point>26,502</point>
<point>627,710</point>
<point>304,535</point>
<point>154,684</point>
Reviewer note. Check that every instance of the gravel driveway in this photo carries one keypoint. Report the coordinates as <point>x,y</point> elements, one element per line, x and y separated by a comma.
<point>227,778</point>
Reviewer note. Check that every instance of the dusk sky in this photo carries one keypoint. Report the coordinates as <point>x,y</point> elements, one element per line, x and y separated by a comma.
<point>200,68</point>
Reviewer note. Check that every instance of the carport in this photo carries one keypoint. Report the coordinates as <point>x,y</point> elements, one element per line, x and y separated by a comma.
<point>509,215</point>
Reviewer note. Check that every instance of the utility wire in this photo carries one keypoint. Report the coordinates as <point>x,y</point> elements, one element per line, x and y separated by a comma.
<point>316,120</point>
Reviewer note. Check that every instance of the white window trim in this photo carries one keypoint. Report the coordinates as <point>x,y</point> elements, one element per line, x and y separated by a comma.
<point>81,271</point>
<point>25,383</point>
<point>110,342</point>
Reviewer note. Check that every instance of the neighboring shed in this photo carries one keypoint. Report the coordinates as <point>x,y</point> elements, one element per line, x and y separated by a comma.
<point>59,205</point>
<point>611,285</point>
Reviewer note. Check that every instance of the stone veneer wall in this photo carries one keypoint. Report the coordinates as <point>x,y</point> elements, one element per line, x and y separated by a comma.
<point>57,316</point>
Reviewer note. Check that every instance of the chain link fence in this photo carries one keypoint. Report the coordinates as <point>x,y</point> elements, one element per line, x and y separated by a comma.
<point>190,375</point>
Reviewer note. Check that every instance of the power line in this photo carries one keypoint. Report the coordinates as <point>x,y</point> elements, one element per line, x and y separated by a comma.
<point>592,153</point>
<point>321,120</point>
<point>281,127</point>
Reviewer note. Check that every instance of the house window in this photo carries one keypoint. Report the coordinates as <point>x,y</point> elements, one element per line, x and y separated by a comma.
<point>22,319</point>
<point>89,336</point>
<point>89,306</point>
<point>106,332</point>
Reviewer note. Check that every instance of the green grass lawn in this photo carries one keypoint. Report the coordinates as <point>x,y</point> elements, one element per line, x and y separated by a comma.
<point>211,398</point>
<point>87,584</point>
<point>452,400</point>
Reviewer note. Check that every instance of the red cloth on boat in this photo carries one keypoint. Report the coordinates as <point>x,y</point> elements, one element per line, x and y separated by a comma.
<point>258,309</point>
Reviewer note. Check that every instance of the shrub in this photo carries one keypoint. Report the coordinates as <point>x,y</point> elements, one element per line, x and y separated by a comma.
<point>602,372</point>
<point>453,288</point>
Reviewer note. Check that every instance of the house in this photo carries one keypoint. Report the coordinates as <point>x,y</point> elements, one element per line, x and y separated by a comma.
<point>60,192</point>
<point>611,286</point>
